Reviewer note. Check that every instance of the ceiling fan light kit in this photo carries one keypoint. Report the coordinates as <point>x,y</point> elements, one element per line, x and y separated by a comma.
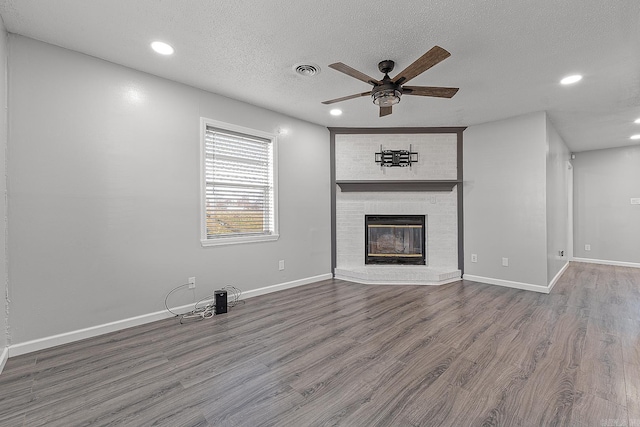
<point>386,97</point>
<point>387,92</point>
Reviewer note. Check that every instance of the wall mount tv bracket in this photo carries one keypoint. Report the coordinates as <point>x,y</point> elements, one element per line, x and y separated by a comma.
<point>396,158</point>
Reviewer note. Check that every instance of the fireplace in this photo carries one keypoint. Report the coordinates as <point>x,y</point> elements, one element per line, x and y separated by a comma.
<point>395,239</point>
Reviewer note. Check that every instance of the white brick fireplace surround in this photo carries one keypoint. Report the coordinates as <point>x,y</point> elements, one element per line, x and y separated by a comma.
<point>355,161</point>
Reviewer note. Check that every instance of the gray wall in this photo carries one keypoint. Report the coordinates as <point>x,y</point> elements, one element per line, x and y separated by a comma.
<point>604,183</point>
<point>4,323</point>
<point>557,191</point>
<point>504,199</point>
<point>104,193</point>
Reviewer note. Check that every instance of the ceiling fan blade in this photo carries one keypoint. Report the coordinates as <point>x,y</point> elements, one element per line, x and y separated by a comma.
<point>339,66</point>
<point>434,56</point>
<point>344,98</point>
<point>385,111</point>
<point>440,92</point>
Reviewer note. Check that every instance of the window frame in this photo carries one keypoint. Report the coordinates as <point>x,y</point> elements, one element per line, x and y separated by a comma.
<point>230,239</point>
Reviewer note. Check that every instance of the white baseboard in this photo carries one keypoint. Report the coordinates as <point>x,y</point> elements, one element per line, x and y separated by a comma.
<point>607,262</point>
<point>3,358</point>
<point>93,331</point>
<point>286,285</point>
<point>557,276</point>
<point>508,283</point>
<point>68,337</point>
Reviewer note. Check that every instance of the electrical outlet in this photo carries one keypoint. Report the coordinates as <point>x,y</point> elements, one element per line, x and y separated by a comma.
<point>281,265</point>
<point>587,247</point>
<point>192,282</point>
<point>474,257</point>
<point>561,253</point>
<point>505,262</point>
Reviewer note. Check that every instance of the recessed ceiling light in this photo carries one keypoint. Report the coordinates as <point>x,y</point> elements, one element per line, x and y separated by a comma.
<point>637,136</point>
<point>571,79</point>
<point>636,121</point>
<point>335,112</point>
<point>162,48</point>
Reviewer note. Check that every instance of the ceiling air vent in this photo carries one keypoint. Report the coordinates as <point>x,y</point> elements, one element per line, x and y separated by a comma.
<point>306,70</point>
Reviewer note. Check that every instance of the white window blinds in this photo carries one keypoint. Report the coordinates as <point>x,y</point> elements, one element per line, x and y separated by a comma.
<point>239,184</point>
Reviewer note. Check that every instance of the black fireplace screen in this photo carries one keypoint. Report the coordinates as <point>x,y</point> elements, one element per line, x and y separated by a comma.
<point>395,239</point>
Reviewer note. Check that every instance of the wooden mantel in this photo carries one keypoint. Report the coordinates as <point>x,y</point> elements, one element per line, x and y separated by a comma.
<point>370,185</point>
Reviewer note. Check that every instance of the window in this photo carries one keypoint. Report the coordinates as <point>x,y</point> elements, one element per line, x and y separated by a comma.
<point>239,184</point>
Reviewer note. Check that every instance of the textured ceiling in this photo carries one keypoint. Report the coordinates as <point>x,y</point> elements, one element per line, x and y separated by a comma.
<point>507,55</point>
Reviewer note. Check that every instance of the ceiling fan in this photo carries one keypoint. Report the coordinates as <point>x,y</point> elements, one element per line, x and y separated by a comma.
<point>387,92</point>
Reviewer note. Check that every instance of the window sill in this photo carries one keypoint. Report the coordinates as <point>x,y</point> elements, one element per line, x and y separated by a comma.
<point>237,240</point>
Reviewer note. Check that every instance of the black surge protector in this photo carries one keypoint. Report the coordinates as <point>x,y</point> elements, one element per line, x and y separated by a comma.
<point>220,301</point>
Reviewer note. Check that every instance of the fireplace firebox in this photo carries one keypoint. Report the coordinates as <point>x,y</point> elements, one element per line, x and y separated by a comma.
<point>395,239</point>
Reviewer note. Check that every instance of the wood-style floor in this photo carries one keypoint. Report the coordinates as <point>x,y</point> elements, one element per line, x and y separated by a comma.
<point>339,353</point>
